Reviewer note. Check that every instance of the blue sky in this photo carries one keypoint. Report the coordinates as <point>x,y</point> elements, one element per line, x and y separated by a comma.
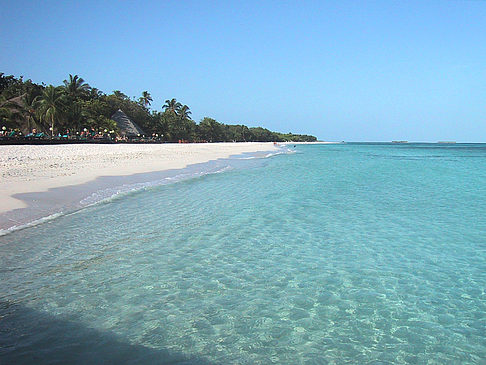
<point>341,70</point>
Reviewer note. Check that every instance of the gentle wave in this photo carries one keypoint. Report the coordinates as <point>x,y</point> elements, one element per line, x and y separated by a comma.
<point>110,194</point>
<point>107,195</point>
<point>36,222</point>
<point>282,150</point>
<point>117,192</point>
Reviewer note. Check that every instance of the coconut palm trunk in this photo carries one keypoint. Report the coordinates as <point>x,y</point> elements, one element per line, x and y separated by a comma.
<point>51,105</point>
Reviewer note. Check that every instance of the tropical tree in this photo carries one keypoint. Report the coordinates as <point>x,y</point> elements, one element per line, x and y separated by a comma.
<point>75,116</point>
<point>237,132</point>
<point>172,105</point>
<point>94,93</point>
<point>76,87</point>
<point>260,134</point>
<point>145,99</point>
<point>6,81</point>
<point>120,95</point>
<point>10,86</point>
<point>29,108</point>
<point>51,106</point>
<point>100,123</point>
<point>210,130</point>
<point>20,111</point>
<point>25,104</point>
<point>184,112</point>
<point>167,124</point>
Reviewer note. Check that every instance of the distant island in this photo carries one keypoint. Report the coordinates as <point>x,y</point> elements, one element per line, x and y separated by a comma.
<point>76,111</point>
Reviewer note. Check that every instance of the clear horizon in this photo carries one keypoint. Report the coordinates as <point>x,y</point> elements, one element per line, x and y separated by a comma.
<point>371,71</point>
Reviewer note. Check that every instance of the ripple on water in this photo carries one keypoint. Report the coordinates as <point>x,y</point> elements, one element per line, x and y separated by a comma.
<point>339,259</point>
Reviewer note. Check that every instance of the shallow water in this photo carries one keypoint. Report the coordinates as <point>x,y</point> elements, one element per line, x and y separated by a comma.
<point>338,253</point>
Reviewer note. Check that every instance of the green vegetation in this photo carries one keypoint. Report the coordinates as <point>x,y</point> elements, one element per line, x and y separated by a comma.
<point>75,105</point>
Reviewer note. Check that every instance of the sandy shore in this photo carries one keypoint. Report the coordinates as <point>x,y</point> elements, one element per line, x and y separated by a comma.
<point>29,169</point>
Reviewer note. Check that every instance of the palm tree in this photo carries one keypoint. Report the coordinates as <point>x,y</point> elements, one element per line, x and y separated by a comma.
<point>184,112</point>
<point>145,99</point>
<point>51,105</point>
<point>75,87</point>
<point>172,105</point>
<point>120,95</point>
<point>75,116</point>
<point>94,93</point>
<point>29,109</point>
<point>19,109</point>
<point>211,130</point>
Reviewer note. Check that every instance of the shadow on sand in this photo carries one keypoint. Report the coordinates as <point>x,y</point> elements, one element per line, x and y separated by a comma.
<point>32,337</point>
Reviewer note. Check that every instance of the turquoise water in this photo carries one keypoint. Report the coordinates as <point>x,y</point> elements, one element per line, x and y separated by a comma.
<point>353,253</point>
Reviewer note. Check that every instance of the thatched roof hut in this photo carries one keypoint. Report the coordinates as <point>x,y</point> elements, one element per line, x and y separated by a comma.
<point>12,108</point>
<point>16,101</point>
<point>126,126</point>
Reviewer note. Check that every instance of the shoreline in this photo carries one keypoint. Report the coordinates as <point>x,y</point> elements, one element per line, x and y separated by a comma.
<point>41,181</point>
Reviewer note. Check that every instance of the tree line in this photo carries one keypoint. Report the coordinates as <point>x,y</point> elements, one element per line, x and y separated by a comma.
<point>75,105</point>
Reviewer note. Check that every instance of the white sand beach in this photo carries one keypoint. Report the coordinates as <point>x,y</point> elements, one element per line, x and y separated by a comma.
<point>38,168</point>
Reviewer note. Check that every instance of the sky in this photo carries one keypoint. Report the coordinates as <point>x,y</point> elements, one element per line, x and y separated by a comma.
<point>339,70</point>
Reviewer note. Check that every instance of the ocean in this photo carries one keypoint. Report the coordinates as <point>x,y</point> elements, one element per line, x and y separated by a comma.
<point>345,253</point>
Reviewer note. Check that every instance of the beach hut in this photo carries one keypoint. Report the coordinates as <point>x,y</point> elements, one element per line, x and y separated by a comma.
<point>14,107</point>
<point>126,126</point>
